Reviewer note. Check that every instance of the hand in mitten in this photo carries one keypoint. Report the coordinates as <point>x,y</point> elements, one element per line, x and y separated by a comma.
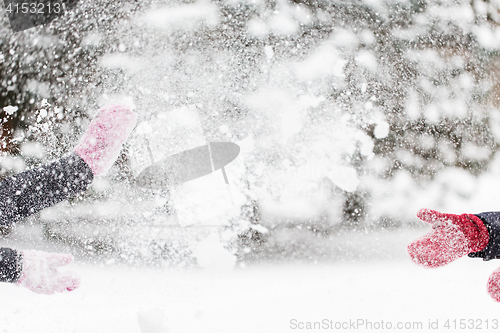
<point>453,236</point>
<point>100,146</point>
<point>494,285</point>
<point>39,272</point>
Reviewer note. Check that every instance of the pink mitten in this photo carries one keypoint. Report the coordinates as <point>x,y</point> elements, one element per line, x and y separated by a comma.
<point>101,144</point>
<point>453,236</point>
<point>39,272</point>
<point>494,285</point>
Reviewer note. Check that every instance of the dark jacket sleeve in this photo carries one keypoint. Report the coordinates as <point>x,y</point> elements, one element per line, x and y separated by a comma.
<point>10,265</point>
<point>31,191</point>
<point>492,222</point>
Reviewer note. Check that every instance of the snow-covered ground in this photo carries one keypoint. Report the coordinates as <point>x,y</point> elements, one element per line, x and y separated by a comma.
<point>261,297</point>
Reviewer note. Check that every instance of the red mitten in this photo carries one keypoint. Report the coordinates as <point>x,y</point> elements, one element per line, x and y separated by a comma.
<point>453,236</point>
<point>100,146</point>
<point>40,274</point>
<point>494,285</point>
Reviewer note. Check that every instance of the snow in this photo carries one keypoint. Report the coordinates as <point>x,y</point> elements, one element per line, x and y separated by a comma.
<point>464,15</point>
<point>284,20</point>
<point>12,164</point>
<point>165,134</point>
<point>211,255</point>
<point>152,321</point>
<point>183,17</point>
<point>40,88</point>
<point>10,110</point>
<point>92,39</point>
<point>283,24</point>
<point>311,98</point>
<point>487,37</point>
<point>476,152</point>
<point>118,60</point>
<point>257,27</point>
<point>344,177</point>
<point>381,130</point>
<point>323,62</point>
<point>367,59</point>
<point>258,298</point>
<point>32,149</point>
<point>344,38</point>
<point>202,200</point>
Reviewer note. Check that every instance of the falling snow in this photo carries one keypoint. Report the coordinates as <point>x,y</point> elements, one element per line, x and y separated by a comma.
<point>350,116</point>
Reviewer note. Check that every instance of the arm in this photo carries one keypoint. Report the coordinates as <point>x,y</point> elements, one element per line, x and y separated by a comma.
<point>37,271</point>
<point>31,191</point>
<point>492,250</point>
<point>10,265</point>
<point>452,236</point>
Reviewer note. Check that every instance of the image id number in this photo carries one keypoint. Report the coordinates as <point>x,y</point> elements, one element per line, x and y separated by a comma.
<point>34,8</point>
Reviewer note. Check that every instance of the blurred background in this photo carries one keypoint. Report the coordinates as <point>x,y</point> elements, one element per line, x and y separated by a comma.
<point>350,116</point>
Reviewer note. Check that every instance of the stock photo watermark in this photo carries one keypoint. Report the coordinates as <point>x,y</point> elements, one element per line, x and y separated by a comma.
<point>375,325</point>
<point>26,14</point>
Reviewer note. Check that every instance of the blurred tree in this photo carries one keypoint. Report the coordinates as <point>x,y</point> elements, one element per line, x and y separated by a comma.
<point>51,75</point>
<point>418,77</point>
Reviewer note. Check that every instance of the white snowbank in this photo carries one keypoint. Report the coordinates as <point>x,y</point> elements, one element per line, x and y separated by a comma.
<point>255,299</point>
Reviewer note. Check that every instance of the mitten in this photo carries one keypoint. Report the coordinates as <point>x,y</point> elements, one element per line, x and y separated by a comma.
<point>39,272</point>
<point>101,144</point>
<point>453,236</point>
<point>494,285</point>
